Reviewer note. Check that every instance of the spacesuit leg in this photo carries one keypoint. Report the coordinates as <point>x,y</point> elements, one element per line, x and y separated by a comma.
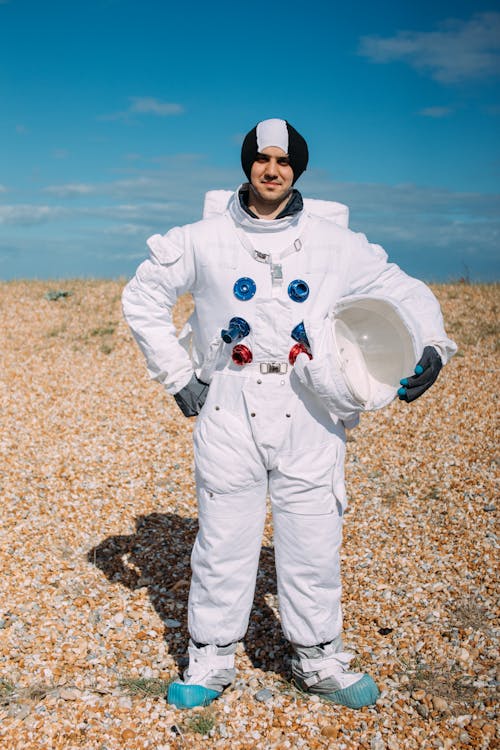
<point>308,497</point>
<point>224,563</point>
<point>307,537</point>
<point>231,488</point>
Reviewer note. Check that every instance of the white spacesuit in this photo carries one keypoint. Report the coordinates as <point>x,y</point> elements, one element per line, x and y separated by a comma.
<point>262,430</point>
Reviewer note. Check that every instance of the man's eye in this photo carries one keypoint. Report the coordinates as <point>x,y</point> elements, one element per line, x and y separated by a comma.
<point>262,159</point>
<point>284,162</point>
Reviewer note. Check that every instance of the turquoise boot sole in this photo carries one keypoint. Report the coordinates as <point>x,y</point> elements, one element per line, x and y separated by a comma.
<point>189,696</point>
<point>362,693</point>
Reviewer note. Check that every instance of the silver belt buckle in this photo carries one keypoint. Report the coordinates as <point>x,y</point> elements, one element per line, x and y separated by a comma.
<point>273,367</point>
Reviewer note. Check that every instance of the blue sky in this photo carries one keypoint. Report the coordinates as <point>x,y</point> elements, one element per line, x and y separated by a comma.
<point>118,115</point>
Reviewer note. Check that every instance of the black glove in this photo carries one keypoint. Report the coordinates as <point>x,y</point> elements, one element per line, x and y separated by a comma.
<point>191,398</point>
<point>426,372</point>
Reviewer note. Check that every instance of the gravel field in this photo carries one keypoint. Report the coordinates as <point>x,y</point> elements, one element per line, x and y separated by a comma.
<point>98,516</point>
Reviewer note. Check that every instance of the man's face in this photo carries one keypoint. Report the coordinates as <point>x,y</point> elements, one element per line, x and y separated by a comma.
<point>271,175</point>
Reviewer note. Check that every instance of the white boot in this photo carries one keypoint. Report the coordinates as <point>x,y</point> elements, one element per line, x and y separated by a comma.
<point>323,670</point>
<point>210,670</point>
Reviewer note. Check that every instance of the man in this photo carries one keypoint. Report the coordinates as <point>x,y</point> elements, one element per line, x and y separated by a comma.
<point>257,270</point>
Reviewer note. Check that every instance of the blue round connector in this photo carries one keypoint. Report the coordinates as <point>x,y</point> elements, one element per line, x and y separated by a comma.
<point>238,329</point>
<point>401,391</point>
<point>244,288</point>
<point>404,381</point>
<point>419,370</point>
<point>298,290</point>
<point>299,334</point>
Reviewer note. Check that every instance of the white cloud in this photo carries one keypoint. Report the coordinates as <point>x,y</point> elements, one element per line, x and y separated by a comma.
<point>140,211</point>
<point>145,105</point>
<point>381,197</point>
<point>180,180</point>
<point>149,105</point>
<point>70,190</point>
<point>412,221</point>
<point>126,230</point>
<point>436,112</point>
<point>27,214</point>
<point>3,189</point>
<point>459,51</point>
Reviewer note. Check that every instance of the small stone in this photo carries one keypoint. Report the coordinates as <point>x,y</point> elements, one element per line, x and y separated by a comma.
<point>330,731</point>
<point>463,654</point>
<point>422,710</point>
<point>172,623</point>
<point>69,694</point>
<point>19,710</point>
<point>489,508</point>
<point>488,728</point>
<point>439,704</point>
<point>276,735</point>
<point>180,584</point>
<point>418,695</point>
<point>263,695</point>
<point>377,742</point>
<point>128,734</point>
<point>465,738</point>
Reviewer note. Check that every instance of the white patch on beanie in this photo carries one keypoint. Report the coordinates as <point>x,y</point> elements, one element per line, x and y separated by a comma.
<point>272,133</point>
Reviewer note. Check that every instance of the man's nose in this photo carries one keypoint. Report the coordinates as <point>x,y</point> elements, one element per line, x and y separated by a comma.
<point>271,169</point>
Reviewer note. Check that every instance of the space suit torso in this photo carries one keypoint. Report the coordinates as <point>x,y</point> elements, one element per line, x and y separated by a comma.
<point>271,262</point>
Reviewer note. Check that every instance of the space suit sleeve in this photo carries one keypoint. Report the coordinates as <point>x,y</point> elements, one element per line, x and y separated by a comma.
<point>371,273</point>
<point>148,300</point>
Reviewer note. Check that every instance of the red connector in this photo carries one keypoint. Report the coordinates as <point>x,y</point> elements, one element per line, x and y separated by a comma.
<point>296,350</point>
<point>241,355</point>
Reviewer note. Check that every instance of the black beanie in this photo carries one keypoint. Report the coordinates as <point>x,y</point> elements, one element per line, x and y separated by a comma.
<point>275,133</point>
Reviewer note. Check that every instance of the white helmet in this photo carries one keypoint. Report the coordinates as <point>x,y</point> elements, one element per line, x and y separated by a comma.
<point>377,344</point>
<point>360,357</point>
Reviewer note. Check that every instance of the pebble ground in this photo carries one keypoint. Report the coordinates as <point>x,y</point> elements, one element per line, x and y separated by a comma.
<point>98,516</point>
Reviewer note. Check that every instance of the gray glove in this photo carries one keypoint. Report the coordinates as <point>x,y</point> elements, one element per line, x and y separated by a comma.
<point>426,372</point>
<point>191,398</point>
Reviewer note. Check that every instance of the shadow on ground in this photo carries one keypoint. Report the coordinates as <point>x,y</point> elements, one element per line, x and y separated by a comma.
<point>157,556</point>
